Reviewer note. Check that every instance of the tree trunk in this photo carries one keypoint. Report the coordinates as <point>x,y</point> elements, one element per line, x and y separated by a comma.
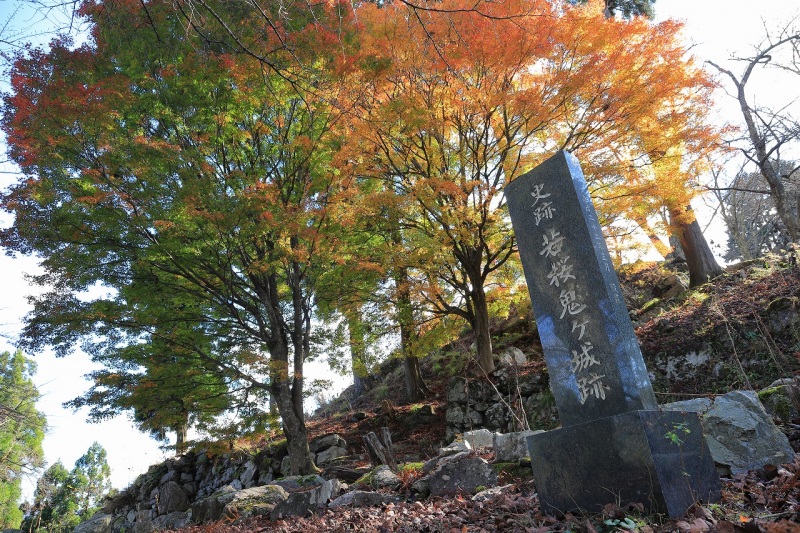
<point>294,429</point>
<point>480,325</point>
<point>701,262</point>
<point>180,435</point>
<point>416,389</point>
<point>358,352</point>
<point>663,249</point>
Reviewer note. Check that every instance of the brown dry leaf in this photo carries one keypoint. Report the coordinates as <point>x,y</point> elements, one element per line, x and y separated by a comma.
<point>699,526</point>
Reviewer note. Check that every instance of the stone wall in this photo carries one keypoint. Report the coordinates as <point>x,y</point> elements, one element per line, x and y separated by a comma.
<point>161,497</point>
<point>502,405</point>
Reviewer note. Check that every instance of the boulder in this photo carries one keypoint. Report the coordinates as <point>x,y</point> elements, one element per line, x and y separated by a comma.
<point>171,521</point>
<point>740,434</point>
<point>307,500</point>
<point>383,478</point>
<point>782,399</point>
<point>211,508</point>
<point>511,447</point>
<point>463,475</point>
<point>171,498</point>
<point>326,441</point>
<point>327,456</point>
<point>362,498</point>
<point>99,523</point>
<point>479,438</point>
<point>254,501</point>
<point>512,357</point>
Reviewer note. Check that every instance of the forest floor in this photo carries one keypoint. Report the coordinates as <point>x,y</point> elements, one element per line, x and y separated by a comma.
<point>735,307</point>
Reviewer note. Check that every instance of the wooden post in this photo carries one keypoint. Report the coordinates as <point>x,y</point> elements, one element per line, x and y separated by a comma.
<point>380,451</point>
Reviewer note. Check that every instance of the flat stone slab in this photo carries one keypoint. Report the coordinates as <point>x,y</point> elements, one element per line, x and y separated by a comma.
<point>656,458</point>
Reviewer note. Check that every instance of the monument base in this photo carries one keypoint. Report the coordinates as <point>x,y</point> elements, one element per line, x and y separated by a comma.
<point>657,458</point>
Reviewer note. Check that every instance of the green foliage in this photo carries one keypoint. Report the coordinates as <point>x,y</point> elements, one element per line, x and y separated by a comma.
<point>21,432</point>
<point>64,499</point>
<point>677,432</point>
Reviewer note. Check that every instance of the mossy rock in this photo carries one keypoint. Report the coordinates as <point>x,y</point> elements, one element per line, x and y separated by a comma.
<point>782,400</point>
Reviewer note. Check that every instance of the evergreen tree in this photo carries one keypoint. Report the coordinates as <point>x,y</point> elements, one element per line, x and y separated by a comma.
<point>63,500</point>
<point>21,432</point>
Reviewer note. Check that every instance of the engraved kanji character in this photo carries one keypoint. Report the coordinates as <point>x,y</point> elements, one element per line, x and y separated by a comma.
<point>592,386</point>
<point>545,210</point>
<point>560,272</point>
<point>568,303</point>
<point>582,359</point>
<point>580,324</point>
<point>551,246</point>
<point>537,194</point>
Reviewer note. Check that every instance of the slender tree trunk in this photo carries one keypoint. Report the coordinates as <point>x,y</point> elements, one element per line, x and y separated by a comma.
<point>699,258</point>
<point>480,325</point>
<point>662,248</point>
<point>358,351</point>
<point>416,389</point>
<point>180,435</point>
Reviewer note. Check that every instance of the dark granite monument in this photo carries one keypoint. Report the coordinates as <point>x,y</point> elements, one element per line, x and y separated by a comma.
<point>615,445</point>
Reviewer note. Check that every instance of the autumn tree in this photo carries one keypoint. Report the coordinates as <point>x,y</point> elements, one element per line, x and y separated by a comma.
<point>625,8</point>
<point>21,432</point>
<point>454,112</point>
<point>169,384</point>
<point>189,182</point>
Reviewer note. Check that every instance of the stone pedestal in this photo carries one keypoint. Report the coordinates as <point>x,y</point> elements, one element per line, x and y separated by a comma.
<point>657,458</point>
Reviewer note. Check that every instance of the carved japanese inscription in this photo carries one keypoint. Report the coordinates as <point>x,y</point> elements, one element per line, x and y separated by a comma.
<point>595,366</point>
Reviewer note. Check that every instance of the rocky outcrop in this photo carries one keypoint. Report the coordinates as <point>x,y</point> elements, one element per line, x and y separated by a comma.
<point>740,434</point>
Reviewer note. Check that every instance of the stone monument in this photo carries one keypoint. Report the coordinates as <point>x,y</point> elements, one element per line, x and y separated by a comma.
<point>615,445</point>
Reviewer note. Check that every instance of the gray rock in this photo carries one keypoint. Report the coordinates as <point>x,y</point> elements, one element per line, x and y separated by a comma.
<point>306,501</point>
<point>326,456</point>
<point>171,498</point>
<point>455,415</point>
<point>362,498</point>
<point>286,466</point>
<point>457,391</point>
<point>421,486</point>
<point>479,438</point>
<point>740,434</point>
<point>782,399</point>
<point>254,501</point>
<point>512,357</point>
<point>174,520</point>
<point>497,416</point>
<point>293,483</point>
<point>455,447</point>
<point>488,494</point>
<point>326,441</point>
<point>474,417</point>
<point>144,522</point>
<point>431,464</point>
<point>249,474</point>
<point>383,478</point>
<point>510,447</point>
<point>464,475</point>
<point>99,523</point>
<point>211,508</point>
